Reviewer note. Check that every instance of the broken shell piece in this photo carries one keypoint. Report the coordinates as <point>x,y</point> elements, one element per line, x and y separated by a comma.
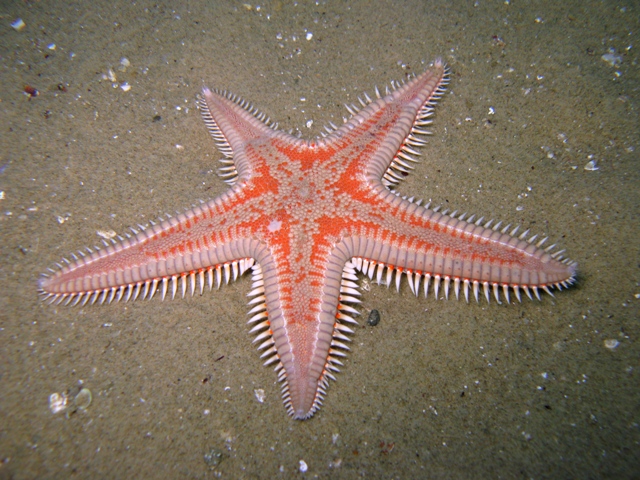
<point>106,234</point>
<point>57,402</point>
<point>83,399</point>
<point>591,166</point>
<point>611,343</point>
<point>612,59</point>
<point>260,395</point>
<point>18,24</point>
<point>124,64</point>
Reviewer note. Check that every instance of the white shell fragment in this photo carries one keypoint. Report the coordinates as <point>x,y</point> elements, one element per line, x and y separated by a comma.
<point>260,395</point>
<point>591,166</point>
<point>83,399</point>
<point>612,59</point>
<point>303,466</point>
<point>57,402</point>
<point>18,24</point>
<point>611,343</point>
<point>106,234</point>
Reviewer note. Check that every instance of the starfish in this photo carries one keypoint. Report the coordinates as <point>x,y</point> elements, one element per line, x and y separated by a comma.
<point>305,216</point>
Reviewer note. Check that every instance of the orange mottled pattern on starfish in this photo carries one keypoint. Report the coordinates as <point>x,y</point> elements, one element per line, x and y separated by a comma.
<point>304,217</point>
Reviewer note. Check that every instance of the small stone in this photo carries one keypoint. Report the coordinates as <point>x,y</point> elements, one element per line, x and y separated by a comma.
<point>213,457</point>
<point>374,318</point>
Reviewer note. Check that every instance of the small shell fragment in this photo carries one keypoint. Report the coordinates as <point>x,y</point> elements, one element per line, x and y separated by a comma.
<point>591,166</point>
<point>83,399</point>
<point>611,343</point>
<point>612,59</point>
<point>18,24</point>
<point>57,402</point>
<point>260,395</point>
<point>108,234</point>
<point>303,466</point>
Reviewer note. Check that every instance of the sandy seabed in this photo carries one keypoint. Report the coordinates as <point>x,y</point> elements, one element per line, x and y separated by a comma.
<point>438,389</point>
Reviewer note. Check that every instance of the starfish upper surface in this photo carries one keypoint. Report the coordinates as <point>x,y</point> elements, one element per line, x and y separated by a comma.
<point>305,216</point>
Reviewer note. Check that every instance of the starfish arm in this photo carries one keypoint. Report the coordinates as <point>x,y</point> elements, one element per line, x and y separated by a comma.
<point>424,243</point>
<point>185,247</point>
<point>300,284</point>
<point>237,128</point>
<point>378,140</point>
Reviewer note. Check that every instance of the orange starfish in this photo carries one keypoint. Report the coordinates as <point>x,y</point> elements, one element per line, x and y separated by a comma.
<point>305,215</point>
